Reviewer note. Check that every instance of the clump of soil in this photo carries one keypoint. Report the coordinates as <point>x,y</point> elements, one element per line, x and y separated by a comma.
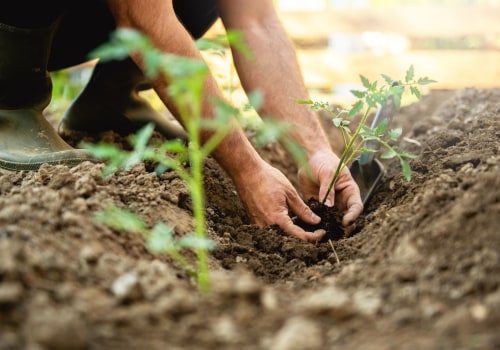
<point>422,272</point>
<point>331,221</point>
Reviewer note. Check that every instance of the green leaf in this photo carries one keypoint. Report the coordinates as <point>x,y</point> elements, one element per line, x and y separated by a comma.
<point>121,219</point>
<point>161,239</point>
<point>367,150</point>
<point>365,130</point>
<point>389,154</point>
<point>366,83</point>
<point>406,169</point>
<point>194,242</point>
<point>406,154</point>
<point>355,109</point>
<point>425,81</point>
<point>396,92</point>
<point>415,92</point>
<point>173,146</point>
<point>102,150</point>
<point>337,122</point>
<point>372,100</point>
<point>410,74</point>
<point>212,45</point>
<point>236,40</point>
<point>381,128</point>
<point>358,93</point>
<point>394,133</point>
<point>141,138</point>
<point>387,79</point>
<point>256,99</point>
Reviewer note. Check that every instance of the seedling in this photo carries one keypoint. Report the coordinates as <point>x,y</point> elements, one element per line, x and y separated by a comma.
<point>187,78</point>
<point>159,239</point>
<point>372,97</point>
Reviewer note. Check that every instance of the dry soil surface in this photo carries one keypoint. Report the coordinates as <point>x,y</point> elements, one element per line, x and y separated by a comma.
<point>422,271</point>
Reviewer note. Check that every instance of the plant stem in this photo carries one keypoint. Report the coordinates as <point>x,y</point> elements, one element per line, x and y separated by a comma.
<point>347,150</point>
<point>198,197</point>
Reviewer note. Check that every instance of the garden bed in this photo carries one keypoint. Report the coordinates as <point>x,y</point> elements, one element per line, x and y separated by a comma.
<point>420,271</point>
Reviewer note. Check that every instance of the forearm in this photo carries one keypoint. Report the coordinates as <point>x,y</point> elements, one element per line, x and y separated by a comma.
<point>274,70</point>
<point>168,35</point>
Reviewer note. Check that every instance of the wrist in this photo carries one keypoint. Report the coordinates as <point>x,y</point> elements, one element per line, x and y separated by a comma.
<point>237,157</point>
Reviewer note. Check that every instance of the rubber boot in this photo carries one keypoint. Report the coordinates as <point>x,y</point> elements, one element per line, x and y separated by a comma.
<point>111,101</point>
<point>27,139</point>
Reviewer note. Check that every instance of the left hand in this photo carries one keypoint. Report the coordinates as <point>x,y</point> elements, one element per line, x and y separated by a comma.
<point>268,196</point>
<point>314,179</point>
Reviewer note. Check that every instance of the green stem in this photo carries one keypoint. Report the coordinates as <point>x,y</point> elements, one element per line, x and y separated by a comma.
<point>195,184</point>
<point>345,154</point>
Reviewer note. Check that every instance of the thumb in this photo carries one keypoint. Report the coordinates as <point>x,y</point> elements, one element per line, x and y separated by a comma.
<point>325,189</point>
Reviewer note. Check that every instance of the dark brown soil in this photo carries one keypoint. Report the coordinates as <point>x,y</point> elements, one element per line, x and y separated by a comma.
<point>422,271</point>
<point>331,221</point>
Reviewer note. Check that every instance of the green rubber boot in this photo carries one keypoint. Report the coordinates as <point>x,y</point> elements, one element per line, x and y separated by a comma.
<point>111,101</point>
<point>27,140</point>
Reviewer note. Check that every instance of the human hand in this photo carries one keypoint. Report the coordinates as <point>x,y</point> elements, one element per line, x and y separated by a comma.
<point>314,179</point>
<point>268,195</point>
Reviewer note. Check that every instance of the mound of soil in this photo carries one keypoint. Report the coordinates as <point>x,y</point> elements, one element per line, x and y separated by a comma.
<point>421,272</point>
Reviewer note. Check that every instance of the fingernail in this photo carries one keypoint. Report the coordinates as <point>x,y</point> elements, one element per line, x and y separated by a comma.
<point>315,217</point>
<point>328,203</point>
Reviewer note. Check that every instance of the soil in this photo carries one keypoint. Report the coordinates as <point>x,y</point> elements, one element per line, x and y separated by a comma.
<point>422,271</point>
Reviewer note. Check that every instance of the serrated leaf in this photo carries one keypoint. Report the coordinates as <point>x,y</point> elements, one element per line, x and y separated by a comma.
<point>194,242</point>
<point>355,109</point>
<point>161,239</point>
<point>141,138</point>
<point>367,150</point>
<point>425,81</point>
<point>121,219</point>
<point>387,79</point>
<point>358,93</point>
<point>389,154</point>
<point>173,146</point>
<point>337,122</point>
<point>394,133</point>
<point>406,169</point>
<point>372,101</point>
<point>381,128</point>
<point>406,154</point>
<point>366,130</point>
<point>415,92</point>
<point>366,83</point>
<point>410,74</point>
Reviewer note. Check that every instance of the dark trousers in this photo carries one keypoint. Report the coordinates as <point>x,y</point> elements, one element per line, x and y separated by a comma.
<point>86,24</point>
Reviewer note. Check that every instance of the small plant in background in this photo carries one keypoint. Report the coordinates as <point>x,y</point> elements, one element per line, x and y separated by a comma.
<point>372,97</point>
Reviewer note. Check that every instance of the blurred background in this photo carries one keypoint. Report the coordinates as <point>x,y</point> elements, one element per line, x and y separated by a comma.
<point>455,42</point>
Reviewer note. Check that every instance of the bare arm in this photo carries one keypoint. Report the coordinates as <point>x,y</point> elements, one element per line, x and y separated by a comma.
<point>266,193</point>
<point>157,20</point>
<point>275,71</point>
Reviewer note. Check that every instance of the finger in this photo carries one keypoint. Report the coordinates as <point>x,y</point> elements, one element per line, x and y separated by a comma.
<point>302,210</point>
<point>354,210</point>
<point>330,199</point>
<point>294,230</point>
